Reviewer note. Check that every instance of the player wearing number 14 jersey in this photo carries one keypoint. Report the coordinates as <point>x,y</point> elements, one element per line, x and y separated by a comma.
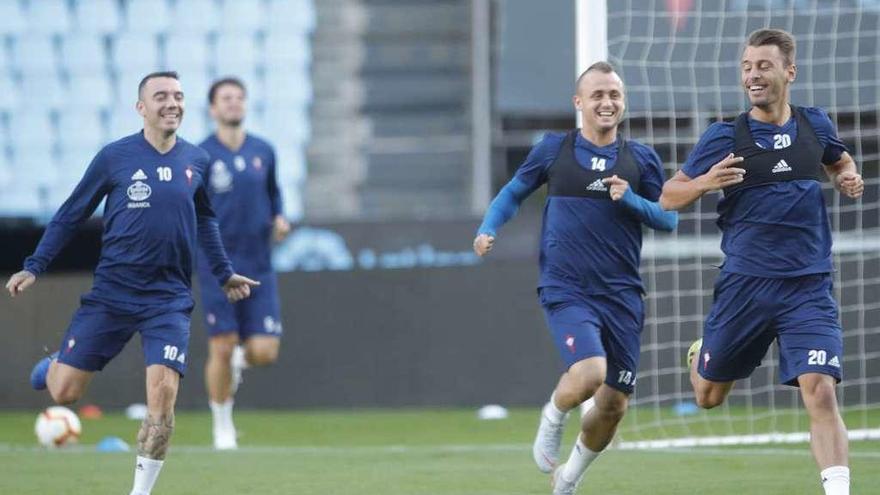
<point>775,283</point>
<point>156,210</point>
<point>600,190</point>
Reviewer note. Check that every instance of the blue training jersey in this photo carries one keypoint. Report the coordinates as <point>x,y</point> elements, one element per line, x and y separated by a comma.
<point>773,230</point>
<point>244,192</point>
<point>156,210</point>
<point>587,245</point>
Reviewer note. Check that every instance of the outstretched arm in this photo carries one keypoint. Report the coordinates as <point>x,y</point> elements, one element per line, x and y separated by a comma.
<point>648,212</point>
<point>501,210</point>
<point>680,191</point>
<point>82,202</point>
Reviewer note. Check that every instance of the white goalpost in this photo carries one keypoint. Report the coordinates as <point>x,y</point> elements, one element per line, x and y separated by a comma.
<point>679,61</point>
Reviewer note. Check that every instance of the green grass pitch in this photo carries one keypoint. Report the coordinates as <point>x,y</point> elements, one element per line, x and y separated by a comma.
<point>397,452</point>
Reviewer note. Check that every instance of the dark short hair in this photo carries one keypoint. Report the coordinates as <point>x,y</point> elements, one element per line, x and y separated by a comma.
<point>601,66</point>
<point>233,81</point>
<point>153,75</point>
<point>782,39</point>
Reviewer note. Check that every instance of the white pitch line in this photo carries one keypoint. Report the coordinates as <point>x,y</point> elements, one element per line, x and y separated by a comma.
<point>6,448</point>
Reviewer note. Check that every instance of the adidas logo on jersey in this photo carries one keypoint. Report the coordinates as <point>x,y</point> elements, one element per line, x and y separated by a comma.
<point>597,185</point>
<point>834,362</point>
<point>781,167</point>
<point>139,175</point>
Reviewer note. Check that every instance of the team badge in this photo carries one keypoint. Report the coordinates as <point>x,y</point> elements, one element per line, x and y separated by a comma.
<point>221,179</point>
<point>189,174</point>
<point>239,163</point>
<point>257,162</point>
<point>569,342</point>
<point>706,358</point>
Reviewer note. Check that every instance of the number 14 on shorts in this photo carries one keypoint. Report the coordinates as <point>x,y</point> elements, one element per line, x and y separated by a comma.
<point>171,354</point>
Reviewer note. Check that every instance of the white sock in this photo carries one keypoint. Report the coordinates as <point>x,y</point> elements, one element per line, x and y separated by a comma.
<point>222,413</point>
<point>553,413</point>
<point>577,463</point>
<point>835,480</point>
<point>239,358</point>
<point>145,473</point>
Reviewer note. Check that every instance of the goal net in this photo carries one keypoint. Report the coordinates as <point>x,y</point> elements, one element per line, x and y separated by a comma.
<point>680,62</point>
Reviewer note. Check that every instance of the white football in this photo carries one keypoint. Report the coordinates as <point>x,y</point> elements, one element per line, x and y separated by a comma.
<point>57,426</point>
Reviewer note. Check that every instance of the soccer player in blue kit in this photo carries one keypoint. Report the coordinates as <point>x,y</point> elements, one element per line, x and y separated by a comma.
<point>156,210</point>
<point>244,193</point>
<point>600,189</point>
<point>775,283</point>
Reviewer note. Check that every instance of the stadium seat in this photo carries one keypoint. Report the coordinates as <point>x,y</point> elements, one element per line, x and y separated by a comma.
<point>147,17</point>
<point>84,53</point>
<point>195,86</point>
<point>287,124</point>
<point>34,169</point>
<point>242,16</point>
<point>187,52</point>
<point>290,163</point>
<point>124,120</point>
<point>48,17</point>
<point>193,128</point>
<point>40,92</point>
<point>35,54</point>
<point>97,16</point>
<point>89,92</point>
<point>196,17</point>
<point>30,129</point>
<point>127,90</point>
<point>235,54</point>
<point>135,53</point>
<point>288,88</point>
<point>291,16</point>
<point>10,97</point>
<point>12,20</point>
<point>81,128</point>
<point>283,50</point>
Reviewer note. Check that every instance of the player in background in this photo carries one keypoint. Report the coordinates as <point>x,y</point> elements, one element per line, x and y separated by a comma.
<point>156,210</point>
<point>243,189</point>
<point>775,283</point>
<point>600,189</point>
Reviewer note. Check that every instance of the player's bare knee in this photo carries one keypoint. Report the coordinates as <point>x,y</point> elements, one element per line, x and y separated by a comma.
<point>65,394</point>
<point>819,396</point>
<point>263,355</point>
<point>221,347</point>
<point>708,399</point>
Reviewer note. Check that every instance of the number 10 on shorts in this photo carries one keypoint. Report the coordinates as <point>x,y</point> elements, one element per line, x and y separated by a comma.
<point>171,354</point>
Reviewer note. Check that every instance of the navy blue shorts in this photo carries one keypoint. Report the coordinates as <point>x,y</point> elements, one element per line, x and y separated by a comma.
<point>259,314</point>
<point>97,334</point>
<point>598,325</point>
<point>749,313</point>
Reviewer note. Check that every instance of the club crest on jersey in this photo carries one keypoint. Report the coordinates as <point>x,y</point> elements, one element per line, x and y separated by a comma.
<point>257,162</point>
<point>189,175</point>
<point>706,358</point>
<point>139,192</point>
<point>569,342</point>
<point>221,178</point>
<point>239,163</point>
